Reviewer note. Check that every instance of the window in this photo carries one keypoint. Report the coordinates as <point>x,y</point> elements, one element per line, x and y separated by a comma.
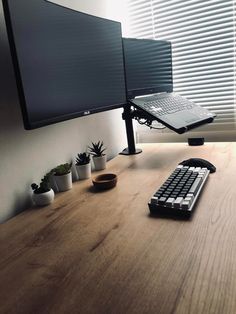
<point>202,34</point>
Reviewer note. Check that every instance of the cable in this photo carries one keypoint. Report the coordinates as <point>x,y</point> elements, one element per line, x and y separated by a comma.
<point>148,123</point>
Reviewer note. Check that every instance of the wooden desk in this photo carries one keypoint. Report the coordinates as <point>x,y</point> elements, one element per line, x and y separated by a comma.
<point>102,253</point>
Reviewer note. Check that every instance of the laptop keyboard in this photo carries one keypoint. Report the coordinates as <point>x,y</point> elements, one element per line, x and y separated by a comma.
<point>167,105</point>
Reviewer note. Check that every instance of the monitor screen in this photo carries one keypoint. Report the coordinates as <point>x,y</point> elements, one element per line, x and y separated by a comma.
<point>148,66</point>
<point>67,63</point>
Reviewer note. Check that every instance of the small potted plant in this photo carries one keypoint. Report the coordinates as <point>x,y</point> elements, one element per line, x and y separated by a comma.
<point>43,194</point>
<point>63,177</point>
<point>99,158</point>
<point>83,166</point>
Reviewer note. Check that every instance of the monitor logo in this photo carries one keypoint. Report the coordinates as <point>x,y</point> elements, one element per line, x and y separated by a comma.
<point>86,113</point>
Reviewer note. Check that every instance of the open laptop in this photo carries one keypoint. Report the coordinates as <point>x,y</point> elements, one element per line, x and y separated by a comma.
<point>148,67</point>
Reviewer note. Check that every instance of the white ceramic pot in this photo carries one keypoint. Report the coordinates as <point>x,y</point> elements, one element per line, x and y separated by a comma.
<point>63,182</point>
<point>100,162</point>
<point>84,171</point>
<point>53,184</point>
<point>43,199</point>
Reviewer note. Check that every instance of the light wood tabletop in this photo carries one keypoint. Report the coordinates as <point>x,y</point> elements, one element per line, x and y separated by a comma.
<point>102,253</point>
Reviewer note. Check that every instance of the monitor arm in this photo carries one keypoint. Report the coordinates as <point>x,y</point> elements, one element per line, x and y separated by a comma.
<point>128,115</point>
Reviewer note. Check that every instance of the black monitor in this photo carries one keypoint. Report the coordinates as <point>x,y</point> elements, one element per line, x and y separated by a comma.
<point>148,66</point>
<point>67,63</point>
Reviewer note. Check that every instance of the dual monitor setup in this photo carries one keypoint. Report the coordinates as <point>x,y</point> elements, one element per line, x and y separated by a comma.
<point>70,64</point>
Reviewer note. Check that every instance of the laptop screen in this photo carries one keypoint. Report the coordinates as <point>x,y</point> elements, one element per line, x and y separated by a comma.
<point>148,65</point>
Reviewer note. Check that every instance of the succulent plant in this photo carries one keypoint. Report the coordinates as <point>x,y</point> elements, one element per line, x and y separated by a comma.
<point>97,149</point>
<point>82,159</point>
<point>44,185</point>
<point>62,169</point>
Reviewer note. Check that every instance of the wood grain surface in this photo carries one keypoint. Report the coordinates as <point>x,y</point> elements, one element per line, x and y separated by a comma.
<point>102,253</point>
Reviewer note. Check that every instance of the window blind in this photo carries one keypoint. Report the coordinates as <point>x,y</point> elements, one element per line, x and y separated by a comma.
<point>202,34</point>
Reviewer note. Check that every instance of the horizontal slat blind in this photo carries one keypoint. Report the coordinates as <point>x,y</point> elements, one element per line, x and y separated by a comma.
<point>203,43</point>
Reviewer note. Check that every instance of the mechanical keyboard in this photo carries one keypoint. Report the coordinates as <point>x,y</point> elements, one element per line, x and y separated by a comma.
<point>179,193</point>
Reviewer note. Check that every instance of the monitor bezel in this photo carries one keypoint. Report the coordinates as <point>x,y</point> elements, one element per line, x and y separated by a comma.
<point>28,124</point>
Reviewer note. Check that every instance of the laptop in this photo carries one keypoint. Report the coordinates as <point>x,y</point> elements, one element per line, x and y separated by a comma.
<point>149,79</point>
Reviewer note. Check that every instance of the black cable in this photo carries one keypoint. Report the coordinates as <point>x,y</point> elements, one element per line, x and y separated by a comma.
<point>148,123</point>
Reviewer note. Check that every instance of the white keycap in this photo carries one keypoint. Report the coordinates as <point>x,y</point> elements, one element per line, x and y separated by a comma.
<point>178,202</point>
<point>185,205</point>
<point>154,200</point>
<point>170,201</point>
<point>188,199</point>
<point>201,176</point>
<point>195,186</point>
<point>190,196</point>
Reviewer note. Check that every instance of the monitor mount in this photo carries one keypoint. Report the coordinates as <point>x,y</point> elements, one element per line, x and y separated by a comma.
<point>128,115</point>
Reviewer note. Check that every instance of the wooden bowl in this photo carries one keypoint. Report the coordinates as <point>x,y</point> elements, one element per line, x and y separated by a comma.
<point>105,181</point>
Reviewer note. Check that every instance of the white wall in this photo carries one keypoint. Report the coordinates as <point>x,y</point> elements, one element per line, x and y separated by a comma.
<point>25,156</point>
